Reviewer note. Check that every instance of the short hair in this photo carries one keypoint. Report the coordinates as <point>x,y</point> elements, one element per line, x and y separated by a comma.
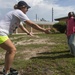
<point>70,14</point>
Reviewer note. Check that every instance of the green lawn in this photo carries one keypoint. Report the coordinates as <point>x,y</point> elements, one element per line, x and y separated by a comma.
<point>43,55</point>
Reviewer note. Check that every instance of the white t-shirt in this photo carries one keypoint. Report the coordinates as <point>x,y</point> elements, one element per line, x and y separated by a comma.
<point>11,21</point>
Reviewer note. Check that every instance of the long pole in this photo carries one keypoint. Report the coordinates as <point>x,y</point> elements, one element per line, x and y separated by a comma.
<point>52,14</point>
<point>36,17</point>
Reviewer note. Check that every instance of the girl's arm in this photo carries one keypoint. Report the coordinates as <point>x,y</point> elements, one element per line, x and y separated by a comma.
<point>37,27</point>
<point>25,30</point>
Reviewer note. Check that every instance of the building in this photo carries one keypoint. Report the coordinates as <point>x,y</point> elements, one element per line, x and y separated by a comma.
<point>61,19</point>
<point>43,24</point>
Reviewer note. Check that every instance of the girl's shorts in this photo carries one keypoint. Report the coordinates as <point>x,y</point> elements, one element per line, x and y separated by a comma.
<point>3,39</point>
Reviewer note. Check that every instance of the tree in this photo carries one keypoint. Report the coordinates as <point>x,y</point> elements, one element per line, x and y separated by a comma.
<point>60,26</point>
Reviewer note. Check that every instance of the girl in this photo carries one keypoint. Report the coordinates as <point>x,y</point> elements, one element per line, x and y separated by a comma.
<point>8,25</point>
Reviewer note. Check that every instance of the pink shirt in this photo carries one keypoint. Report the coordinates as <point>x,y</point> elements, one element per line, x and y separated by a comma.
<point>70,26</point>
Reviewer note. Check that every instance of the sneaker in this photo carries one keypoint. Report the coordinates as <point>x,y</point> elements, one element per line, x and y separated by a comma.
<point>12,72</point>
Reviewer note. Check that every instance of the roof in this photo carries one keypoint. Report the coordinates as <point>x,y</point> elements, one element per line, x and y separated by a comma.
<point>44,22</point>
<point>57,19</point>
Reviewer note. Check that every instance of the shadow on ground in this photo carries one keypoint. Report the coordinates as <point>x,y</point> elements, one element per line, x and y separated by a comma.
<point>54,55</point>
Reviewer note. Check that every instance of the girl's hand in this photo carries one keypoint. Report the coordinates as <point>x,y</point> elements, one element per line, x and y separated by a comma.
<point>30,34</point>
<point>33,35</point>
<point>47,31</point>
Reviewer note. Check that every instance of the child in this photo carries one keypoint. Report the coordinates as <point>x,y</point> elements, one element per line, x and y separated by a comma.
<point>71,32</point>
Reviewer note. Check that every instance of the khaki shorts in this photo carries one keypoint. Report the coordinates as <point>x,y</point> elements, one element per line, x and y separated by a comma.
<point>3,39</point>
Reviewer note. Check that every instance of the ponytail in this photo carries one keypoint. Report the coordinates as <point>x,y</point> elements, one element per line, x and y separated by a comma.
<point>15,6</point>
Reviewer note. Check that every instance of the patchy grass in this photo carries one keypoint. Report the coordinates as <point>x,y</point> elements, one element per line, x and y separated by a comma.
<point>46,55</point>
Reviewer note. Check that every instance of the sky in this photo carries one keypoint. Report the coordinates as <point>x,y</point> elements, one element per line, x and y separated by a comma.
<point>43,8</point>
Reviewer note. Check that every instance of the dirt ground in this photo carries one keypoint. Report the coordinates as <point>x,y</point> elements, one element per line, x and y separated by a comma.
<point>33,53</point>
<point>29,53</point>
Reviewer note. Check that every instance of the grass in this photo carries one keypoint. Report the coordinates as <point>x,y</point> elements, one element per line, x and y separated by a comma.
<point>54,59</point>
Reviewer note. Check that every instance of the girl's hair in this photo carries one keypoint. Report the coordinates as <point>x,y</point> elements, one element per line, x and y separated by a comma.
<point>15,6</point>
<point>21,4</point>
<point>70,14</point>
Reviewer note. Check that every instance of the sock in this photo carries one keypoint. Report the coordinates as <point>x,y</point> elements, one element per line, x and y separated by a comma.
<point>6,73</point>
